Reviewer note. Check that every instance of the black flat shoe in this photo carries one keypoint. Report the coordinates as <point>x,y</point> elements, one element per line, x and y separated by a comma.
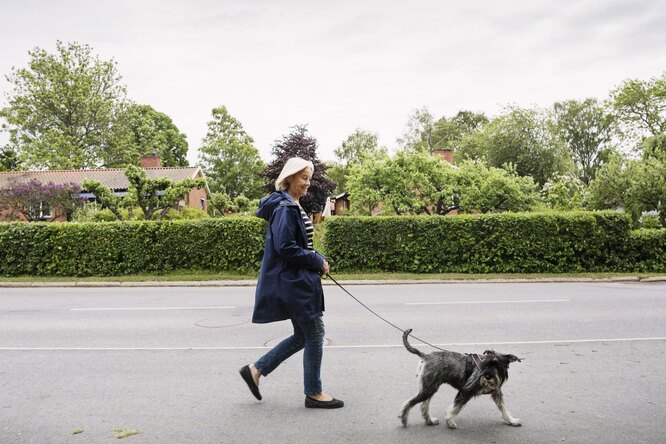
<point>314,404</point>
<point>246,374</point>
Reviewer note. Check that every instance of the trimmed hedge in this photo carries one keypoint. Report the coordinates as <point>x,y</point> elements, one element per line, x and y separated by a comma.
<point>647,250</point>
<point>118,248</point>
<point>496,243</point>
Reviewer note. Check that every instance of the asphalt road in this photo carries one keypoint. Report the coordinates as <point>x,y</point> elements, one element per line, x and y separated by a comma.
<point>164,362</point>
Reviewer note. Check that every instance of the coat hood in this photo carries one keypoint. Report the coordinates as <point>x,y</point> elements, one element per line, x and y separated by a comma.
<point>268,204</point>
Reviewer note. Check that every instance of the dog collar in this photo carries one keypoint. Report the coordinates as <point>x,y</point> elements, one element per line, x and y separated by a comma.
<point>477,361</point>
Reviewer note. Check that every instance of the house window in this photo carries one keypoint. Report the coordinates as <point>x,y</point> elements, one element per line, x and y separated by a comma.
<point>203,203</point>
<point>45,210</point>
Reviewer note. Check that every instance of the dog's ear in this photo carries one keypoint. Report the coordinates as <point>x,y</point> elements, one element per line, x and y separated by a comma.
<point>508,359</point>
<point>490,353</point>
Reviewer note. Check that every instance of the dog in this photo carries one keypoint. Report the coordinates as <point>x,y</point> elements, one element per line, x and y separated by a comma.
<point>471,375</point>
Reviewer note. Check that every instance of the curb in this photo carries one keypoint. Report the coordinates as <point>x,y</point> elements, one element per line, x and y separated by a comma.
<point>253,282</point>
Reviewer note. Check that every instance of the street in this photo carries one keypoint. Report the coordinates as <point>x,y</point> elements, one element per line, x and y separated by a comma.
<point>164,362</point>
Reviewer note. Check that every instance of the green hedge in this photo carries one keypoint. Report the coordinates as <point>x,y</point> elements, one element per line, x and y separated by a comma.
<point>497,243</point>
<point>118,248</point>
<point>647,250</point>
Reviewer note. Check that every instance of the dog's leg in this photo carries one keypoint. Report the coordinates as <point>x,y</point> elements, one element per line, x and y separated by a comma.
<point>425,412</point>
<point>407,406</point>
<point>506,416</point>
<point>458,404</point>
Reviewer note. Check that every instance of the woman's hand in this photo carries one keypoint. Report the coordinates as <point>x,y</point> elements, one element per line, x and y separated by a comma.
<point>325,268</point>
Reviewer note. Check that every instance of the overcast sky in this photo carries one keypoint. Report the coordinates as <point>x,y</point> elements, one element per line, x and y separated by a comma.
<point>341,65</point>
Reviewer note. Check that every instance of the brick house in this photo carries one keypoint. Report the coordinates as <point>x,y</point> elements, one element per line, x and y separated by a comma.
<point>112,178</point>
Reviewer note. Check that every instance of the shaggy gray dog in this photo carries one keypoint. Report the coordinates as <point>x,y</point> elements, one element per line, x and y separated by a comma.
<point>472,375</point>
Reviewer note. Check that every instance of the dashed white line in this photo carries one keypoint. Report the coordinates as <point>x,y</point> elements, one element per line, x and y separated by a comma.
<point>150,308</point>
<point>527,301</point>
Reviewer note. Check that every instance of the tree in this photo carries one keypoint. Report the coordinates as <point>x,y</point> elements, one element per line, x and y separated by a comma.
<point>141,130</point>
<point>521,138</point>
<point>563,192</point>
<point>8,160</point>
<point>34,199</point>
<point>607,190</point>
<point>153,196</point>
<point>219,203</point>
<point>357,147</point>
<point>298,143</point>
<point>63,107</point>
<point>419,183</point>
<point>589,131</point>
<point>492,190</point>
<point>418,133</point>
<point>642,104</point>
<point>448,132</point>
<point>228,157</point>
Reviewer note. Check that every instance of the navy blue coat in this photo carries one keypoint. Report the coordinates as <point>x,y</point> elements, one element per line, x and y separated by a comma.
<point>289,285</point>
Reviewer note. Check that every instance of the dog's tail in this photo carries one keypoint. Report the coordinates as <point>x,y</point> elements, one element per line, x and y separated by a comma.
<point>408,345</point>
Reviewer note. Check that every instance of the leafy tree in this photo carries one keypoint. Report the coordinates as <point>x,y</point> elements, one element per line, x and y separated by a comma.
<point>219,203</point>
<point>635,185</point>
<point>642,104</point>
<point>492,190</point>
<point>448,132</point>
<point>357,147</point>
<point>563,192</point>
<point>522,138</point>
<point>607,190</point>
<point>32,199</point>
<point>588,130</point>
<point>228,157</point>
<point>141,130</point>
<point>62,109</point>
<point>419,183</point>
<point>418,133</point>
<point>153,196</point>
<point>423,133</point>
<point>298,143</point>
<point>8,160</point>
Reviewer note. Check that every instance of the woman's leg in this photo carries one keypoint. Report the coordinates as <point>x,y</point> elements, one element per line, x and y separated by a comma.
<point>278,354</point>
<point>312,355</point>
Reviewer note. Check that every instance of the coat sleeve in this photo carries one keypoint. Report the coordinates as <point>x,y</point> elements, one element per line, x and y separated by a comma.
<point>284,231</point>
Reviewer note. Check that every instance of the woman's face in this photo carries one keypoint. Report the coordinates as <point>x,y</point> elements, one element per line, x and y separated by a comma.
<point>299,183</point>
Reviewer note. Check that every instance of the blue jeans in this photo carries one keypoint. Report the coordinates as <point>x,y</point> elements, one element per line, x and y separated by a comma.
<point>309,337</point>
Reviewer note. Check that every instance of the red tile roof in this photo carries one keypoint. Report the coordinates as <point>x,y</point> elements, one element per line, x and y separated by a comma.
<point>113,178</point>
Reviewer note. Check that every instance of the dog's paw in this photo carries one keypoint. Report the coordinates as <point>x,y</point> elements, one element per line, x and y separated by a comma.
<point>513,422</point>
<point>403,420</point>
<point>432,421</point>
<point>451,423</point>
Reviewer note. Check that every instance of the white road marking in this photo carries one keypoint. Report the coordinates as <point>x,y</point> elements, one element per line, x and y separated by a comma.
<point>488,302</point>
<point>150,308</point>
<point>563,341</point>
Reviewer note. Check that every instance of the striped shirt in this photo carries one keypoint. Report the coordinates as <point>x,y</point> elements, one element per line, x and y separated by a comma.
<point>309,229</point>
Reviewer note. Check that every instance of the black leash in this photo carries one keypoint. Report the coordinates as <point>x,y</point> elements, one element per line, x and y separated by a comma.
<point>380,317</point>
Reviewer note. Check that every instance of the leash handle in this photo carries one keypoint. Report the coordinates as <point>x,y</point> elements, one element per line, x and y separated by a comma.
<point>328,275</point>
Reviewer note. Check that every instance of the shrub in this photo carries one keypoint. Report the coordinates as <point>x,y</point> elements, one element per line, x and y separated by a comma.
<point>497,243</point>
<point>118,248</point>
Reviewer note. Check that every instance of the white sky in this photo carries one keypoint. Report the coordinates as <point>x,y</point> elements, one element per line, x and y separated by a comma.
<point>340,65</point>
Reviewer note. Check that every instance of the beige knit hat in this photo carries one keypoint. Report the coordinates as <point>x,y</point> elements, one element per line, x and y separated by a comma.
<point>293,166</point>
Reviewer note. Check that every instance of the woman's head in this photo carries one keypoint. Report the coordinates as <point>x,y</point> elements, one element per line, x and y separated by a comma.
<point>295,176</point>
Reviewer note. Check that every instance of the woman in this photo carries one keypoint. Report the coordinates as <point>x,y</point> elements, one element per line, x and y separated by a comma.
<point>289,285</point>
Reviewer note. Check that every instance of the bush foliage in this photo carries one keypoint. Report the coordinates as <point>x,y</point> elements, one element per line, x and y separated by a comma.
<point>497,243</point>
<point>120,248</point>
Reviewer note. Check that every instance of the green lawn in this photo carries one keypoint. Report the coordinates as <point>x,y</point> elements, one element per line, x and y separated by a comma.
<point>214,276</point>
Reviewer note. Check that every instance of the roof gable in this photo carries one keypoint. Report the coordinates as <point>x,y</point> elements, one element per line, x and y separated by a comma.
<point>112,178</point>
